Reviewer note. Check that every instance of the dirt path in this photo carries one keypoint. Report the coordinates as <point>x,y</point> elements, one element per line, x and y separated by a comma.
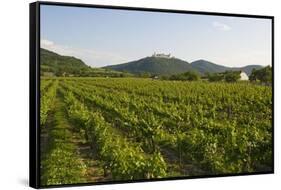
<point>187,168</point>
<point>94,171</point>
<point>66,157</point>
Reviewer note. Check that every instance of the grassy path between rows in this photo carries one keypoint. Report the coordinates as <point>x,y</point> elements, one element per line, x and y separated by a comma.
<point>66,158</point>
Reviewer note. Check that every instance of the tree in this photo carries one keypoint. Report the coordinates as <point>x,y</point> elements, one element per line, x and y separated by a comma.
<point>164,77</point>
<point>232,76</point>
<point>215,77</point>
<point>253,76</point>
<point>189,75</point>
<point>264,75</point>
<point>144,74</point>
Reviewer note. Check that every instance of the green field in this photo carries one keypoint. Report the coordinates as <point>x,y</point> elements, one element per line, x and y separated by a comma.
<point>106,129</point>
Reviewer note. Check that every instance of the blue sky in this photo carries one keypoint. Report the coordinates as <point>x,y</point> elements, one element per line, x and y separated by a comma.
<point>104,37</point>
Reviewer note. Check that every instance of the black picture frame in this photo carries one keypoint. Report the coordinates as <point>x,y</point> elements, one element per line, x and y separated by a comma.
<point>34,88</point>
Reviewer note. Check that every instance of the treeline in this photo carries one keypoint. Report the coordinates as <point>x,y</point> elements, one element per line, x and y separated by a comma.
<point>263,75</point>
<point>82,72</point>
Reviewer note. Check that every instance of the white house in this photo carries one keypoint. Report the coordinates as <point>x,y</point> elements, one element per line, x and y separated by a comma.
<point>243,76</point>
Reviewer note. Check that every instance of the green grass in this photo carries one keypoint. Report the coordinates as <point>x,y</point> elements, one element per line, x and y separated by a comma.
<point>61,164</point>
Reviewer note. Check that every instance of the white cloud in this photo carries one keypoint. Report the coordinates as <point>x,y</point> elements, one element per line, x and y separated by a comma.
<point>91,57</point>
<point>221,26</point>
<point>46,43</point>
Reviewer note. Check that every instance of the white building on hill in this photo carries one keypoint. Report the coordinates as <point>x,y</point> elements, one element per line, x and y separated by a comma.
<point>243,76</point>
<point>162,55</point>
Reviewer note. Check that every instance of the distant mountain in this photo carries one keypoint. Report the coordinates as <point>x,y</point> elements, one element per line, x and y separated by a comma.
<point>153,65</point>
<point>67,65</point>
<point>248,69</point>
<point>168,66</point>
<point>203,66</point>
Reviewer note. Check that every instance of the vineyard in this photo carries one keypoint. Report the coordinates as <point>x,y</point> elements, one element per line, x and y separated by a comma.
<point>106,129</point>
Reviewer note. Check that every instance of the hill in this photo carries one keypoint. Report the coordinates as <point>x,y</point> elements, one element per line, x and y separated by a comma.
<point>170,66</point>
<point>248,69</point>
<point>203,66</point>
<point>59,65</point>
<point>153,65</point>
<point>53,64</point>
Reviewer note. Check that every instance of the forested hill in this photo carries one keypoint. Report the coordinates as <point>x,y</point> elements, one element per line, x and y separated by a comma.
<point>203,66</point>
<point>169,66</point>
<point>154,65</point>
<point>53,64</point>
<point>59,65</point>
